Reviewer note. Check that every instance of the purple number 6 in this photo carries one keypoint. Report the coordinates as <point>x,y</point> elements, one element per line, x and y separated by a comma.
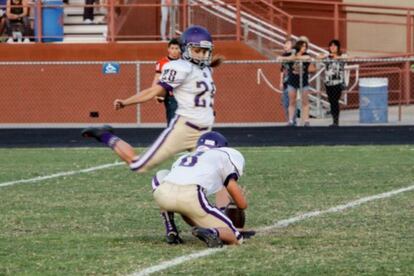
<point>189,161</point>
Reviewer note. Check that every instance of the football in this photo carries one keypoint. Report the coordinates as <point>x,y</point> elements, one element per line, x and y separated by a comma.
<point>236,215</point>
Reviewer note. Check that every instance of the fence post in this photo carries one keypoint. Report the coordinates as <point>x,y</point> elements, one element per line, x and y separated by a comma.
<point>111,21</point>
<point>238,15</point>
<point>407,84</point>
<point>300,91</point>
<point>138,89</point>
<point>319,90</point>
<point>336,21</point>
<point>39,20</point>
<point>272,14</point>
<point>400,99</point>
<point>409,35</point>
<point>185,7</point>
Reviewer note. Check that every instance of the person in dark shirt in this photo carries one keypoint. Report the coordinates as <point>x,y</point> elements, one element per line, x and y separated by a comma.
<point>298,80</point>
<point>17,11</point>
<point>284,69</point>
<point>3,4</point>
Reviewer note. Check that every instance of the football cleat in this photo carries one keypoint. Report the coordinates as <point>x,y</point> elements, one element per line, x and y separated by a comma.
<point>96,132</point>
<point>205,235</point>
<point>174,238</point>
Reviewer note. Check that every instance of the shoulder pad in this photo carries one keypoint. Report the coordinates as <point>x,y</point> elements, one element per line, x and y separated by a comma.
<point>236,158</point>
<point>179,65</point>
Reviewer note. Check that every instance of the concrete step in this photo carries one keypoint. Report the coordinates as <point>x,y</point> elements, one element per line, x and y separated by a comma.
<point>84,39</point>
<point>78,19</point>
<point>70,10</point>
<point>76,2</point>
<point>73,10</point>
<point>85,29</point>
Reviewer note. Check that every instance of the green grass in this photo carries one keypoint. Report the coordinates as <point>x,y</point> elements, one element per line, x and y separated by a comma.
<point>105,222</point>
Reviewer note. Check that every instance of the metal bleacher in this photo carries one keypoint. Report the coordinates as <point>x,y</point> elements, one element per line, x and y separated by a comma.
<point>77,31</point>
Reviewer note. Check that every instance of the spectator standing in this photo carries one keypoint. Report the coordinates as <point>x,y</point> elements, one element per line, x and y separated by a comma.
<point>3,4</point>
<point>88,14</point>
<point>284,70</point>
<point>298,79</point>
<point>17,12</point>
<point>168,11</point>
<point>334,77</point>
<point>174,53</point>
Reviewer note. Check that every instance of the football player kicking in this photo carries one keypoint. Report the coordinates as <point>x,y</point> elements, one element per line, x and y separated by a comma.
<point>190,80</point>
<point>195,176</point>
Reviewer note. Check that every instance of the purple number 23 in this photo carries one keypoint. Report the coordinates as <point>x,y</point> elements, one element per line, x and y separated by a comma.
<point>198,100</point>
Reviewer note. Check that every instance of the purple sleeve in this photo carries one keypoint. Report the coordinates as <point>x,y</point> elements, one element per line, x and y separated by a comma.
<point>166,86</point>
<point>229,177</point>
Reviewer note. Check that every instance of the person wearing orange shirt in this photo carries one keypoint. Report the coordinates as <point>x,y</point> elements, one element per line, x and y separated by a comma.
<point>170,103</point>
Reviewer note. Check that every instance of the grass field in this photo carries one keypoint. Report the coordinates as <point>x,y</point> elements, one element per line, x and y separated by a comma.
<point>105,222</point>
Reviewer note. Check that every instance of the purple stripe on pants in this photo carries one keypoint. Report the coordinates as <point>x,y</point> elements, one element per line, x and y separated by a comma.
<point>155,183</point>
<point>215,212</point>
<point>140,162</point>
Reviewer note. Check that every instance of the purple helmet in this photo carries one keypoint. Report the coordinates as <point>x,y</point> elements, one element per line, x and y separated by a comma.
<point>212,139</point>
<point>197,36</point>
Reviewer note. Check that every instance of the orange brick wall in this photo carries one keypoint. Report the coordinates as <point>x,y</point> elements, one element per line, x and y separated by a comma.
<point>68,93</point>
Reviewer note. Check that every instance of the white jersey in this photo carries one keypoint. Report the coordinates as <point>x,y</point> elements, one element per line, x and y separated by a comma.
<point>209,168</point>
<point>193,88</point>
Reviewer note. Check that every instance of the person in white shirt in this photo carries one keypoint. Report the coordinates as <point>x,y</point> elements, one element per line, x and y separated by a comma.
<point>334,77</point>
<point>190,80</point>
<point>193,177</point>
<point>168,10</point>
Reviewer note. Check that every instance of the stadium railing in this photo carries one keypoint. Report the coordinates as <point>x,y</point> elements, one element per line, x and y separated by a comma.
<point>225,21</point>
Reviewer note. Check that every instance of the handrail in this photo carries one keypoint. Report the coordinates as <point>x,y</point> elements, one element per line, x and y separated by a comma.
<point>270,5</point>
<point>397,12</point>
<point>348,4</point>
<point>264,29</point>
<point>231,12</point>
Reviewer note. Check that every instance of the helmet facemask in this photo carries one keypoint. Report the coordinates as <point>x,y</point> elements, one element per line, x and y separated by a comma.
<point>205,60</point>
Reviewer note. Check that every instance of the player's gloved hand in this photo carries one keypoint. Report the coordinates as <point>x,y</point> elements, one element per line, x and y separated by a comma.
<point>119,104</point>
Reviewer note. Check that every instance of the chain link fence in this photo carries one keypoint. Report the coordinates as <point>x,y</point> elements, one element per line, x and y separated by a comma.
<point>75,94</point>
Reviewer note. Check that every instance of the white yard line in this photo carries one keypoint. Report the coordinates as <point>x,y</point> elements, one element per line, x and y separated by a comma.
<point>280,224</point>
<point>60,174</point>
<point>178,260</point>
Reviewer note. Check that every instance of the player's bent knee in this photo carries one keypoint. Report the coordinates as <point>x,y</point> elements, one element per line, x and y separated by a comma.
<point>139,166</point>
